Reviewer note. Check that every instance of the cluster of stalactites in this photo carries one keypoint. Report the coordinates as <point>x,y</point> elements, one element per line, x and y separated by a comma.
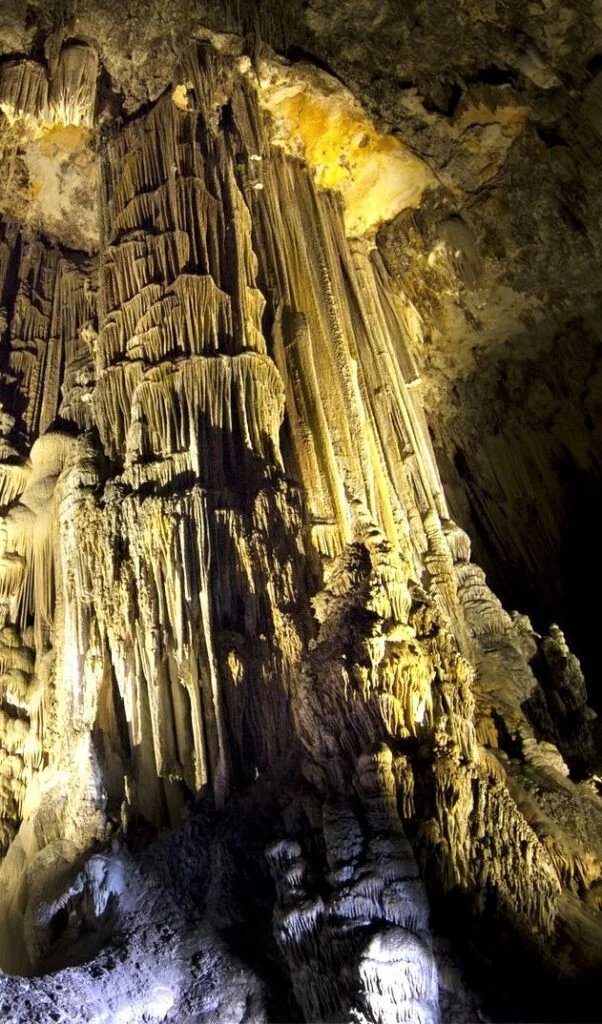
<point>29,541</point>
<point>512,702</point>
<point>359,440</point>
<point>184,604</point>
<point>29,574</point>
<point>16,677</point>
<point>183,375</point>
<point>381,664</point>
<point>47,376</point>
<point>201,161</point>
<point>66,96</point>
<point>48,361</point>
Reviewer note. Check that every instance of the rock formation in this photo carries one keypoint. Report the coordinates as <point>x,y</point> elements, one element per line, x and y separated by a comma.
<point>270,746</point>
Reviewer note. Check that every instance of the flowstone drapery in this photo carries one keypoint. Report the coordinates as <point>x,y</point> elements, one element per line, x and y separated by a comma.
<point>228,573</point>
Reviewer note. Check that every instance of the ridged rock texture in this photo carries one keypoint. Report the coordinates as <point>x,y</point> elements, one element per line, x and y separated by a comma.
<point>271,749</point>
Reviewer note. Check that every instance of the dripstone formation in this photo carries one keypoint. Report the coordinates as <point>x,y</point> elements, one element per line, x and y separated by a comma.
<point>270,747</point>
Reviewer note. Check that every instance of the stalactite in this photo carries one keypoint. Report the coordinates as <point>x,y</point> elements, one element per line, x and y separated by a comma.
<point>68,98</point>
<point>24,90</point>
<point>53,305</point>
<point>72,94</point>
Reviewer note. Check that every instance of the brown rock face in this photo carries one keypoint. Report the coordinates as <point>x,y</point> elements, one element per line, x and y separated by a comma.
<point>270,746</point>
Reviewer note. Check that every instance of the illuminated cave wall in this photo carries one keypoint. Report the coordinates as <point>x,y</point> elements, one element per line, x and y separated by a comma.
<point>234,604</point>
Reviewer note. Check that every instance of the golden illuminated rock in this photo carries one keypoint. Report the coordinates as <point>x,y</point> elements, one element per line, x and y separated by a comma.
<point>314,118</point>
